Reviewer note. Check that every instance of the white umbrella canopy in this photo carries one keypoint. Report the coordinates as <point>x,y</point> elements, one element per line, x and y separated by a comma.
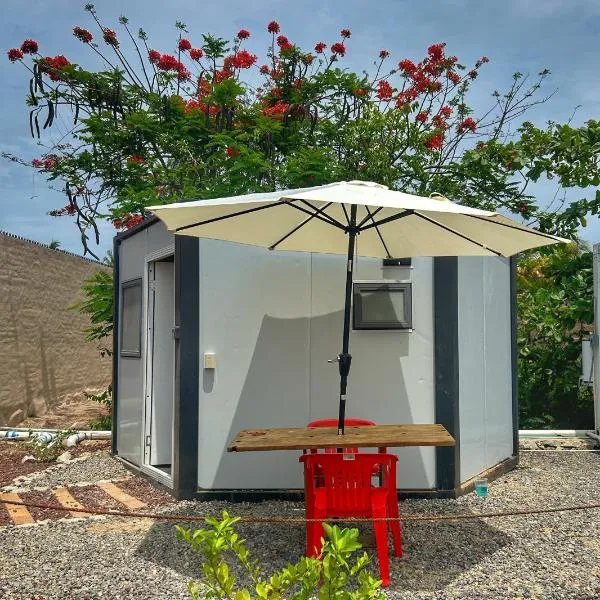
<point>388,223</point>
<point>352,217</point>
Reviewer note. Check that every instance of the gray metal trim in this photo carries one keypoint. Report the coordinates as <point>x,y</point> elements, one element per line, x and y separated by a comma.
<point>514,353</point>
<point>115,356</point>
<point>147,222</point>
<point>446,365</point>
<point>187,366</point>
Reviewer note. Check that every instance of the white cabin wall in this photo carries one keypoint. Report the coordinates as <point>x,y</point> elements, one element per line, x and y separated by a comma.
<point>254,315</point>
<point>485,369</point>
<point>392,377</point>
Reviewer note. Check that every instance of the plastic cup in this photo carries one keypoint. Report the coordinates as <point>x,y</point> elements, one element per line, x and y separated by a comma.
<point>481,487</point>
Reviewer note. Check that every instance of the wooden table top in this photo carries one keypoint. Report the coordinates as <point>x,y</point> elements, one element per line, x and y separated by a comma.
<point>372,436</point>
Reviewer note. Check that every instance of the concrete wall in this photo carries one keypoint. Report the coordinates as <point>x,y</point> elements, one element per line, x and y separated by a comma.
<point>44,355</point>
<point>486,420</point>
<point>273,319</point>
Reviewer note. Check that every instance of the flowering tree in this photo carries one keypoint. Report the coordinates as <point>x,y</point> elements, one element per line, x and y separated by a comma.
<point>211,119</point>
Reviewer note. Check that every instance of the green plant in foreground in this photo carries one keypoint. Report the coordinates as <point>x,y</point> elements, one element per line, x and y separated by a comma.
<point>48,452</point>
<point>334,576</point>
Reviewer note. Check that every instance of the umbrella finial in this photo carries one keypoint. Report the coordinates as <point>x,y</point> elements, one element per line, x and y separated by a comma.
<point>438,196</point>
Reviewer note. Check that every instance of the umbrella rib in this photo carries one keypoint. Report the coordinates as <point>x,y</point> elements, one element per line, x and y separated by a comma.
<point>306,221</point>
<point>346,213</point>
<point>324,216</point>
<point>378,232</point>
<point>529,230</point>
<point>453,231</point>
<point>370,215</point>
<point>230,216</point>
<point>406,213</point>
<point>329,220</point>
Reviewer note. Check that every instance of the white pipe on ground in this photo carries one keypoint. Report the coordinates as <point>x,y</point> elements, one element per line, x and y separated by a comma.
<point>46,436</point>
<point>553,433</point>
<point>74,439</point>
<point>593,435</point>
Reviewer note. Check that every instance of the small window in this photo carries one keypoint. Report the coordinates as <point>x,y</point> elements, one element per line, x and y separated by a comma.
<point>131,318</point>
<point>382,306</point>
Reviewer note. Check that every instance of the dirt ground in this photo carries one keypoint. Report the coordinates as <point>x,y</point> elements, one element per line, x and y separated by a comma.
<point>12,453</point>
<point>76,412</point>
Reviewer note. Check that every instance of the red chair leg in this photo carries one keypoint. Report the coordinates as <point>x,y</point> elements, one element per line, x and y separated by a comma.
<point>395,526</point>
<point>314,530</point>
<point>380,511</point>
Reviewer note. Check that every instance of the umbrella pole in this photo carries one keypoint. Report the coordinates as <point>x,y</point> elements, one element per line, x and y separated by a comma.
<point>344,358</point>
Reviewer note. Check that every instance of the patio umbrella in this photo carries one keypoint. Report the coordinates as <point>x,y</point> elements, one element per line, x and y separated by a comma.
<point>329,218</point>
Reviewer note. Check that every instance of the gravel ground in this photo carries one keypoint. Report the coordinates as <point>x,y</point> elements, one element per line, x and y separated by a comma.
<point>538,556</point>
<point>85,469</point>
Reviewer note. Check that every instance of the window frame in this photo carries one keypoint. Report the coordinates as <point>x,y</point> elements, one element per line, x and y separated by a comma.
<point>128,353</point>
<point>359,323</point>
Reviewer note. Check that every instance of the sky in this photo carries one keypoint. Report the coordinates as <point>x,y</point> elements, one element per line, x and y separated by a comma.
<point>517,35</point>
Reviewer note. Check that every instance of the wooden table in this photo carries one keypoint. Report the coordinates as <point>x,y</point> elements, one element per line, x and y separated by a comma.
<point>372,436</point>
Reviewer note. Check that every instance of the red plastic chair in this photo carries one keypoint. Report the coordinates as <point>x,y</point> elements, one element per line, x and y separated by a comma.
<point>345,489</point>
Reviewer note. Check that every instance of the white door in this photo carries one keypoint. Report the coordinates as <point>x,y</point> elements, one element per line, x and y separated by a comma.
<point>163,363</point>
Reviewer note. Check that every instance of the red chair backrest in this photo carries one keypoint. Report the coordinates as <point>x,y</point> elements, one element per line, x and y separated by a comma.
<point>348,479</point>
<point>334,423</point>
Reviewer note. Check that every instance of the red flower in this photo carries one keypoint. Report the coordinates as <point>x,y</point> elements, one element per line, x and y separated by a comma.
<point>361,91</point>
<point>438,121</point>
<point>37,163</point>
<point>50,162</point>
<point>338,48</point>
<point>320,47</point>
<point>469,124</point>
<point>53,66</point>
<point>407,66</point>
<point>282,40</point>
<point>110,37</point>
<point>277,110</point>
<point>435,86</point>
<point>183,73</point>
<point>422,117</point>
<point>384,90</point>
<point>184,44</point>
<point>405,97</point>
<point>472,74</point>
<point>276,92</point>
<point>243,34</point>
<point>345,33</point>
<point>484,59</point>
<point>243,59</point>
<point>135,159</point>
<point>383,54</point>
<point>436,51</point>
<point>454,77</point>
<point>452,60</point>
<point>128,221</point>
<point>445,111</point>
<point>434,142</point>
<point>231,152</point>
<point>196,53</point>
<point>153,56</point>
<point>14,54</point>
<point>264,69</point>
<point>307,59</point>
<point>83,35</point>
<point>222,75</point>
<point>273,27</point>
<point>168,62</point>
<point>29,47</point>
<point>523,209</point>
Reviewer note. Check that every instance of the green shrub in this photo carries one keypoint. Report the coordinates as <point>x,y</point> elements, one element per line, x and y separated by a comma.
<point>334,576</point>
<point>48,452</point>
<point>104,422</point>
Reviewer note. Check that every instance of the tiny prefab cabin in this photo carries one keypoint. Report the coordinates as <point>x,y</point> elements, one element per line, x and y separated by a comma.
<point>213,337</point>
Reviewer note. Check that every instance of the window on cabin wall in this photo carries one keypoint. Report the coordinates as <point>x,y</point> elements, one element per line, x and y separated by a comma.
<point>382,306</point>
<point>131,318</point>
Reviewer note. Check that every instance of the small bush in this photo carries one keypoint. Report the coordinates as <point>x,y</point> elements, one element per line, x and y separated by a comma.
<point>48,452</point>
<point>104,422</point>
<point>335,575</point>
